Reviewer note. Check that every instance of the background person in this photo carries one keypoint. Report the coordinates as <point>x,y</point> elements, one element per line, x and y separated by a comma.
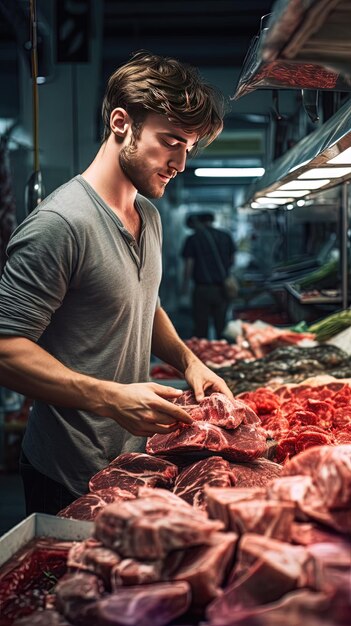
<point>208,255</point>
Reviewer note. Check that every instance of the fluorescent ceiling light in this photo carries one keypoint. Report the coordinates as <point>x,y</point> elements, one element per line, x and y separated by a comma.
<point>233,172</point>
<point>279,199</point>
<point>266,202</point>
<point>287,194</point>
<point>344,158</point>
<point>322,172</point>
<point>304,184</point>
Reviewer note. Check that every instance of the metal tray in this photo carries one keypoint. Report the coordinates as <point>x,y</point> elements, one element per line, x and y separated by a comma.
<point>42,525</point>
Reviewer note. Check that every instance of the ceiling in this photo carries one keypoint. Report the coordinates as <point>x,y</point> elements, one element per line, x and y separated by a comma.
<point>200,32</point>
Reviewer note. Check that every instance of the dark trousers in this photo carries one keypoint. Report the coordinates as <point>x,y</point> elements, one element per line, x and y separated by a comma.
<point>209,304</point>
<point>42,494</point>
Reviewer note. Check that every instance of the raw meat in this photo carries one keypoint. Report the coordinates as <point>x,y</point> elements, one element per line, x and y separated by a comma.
<point>87,507</point>
<point>145,465</point>
<point>258,473</point>
<point>76,591</point>
<point>42,618</point>
<point>111,477</point>
<point>147,530</point>
<point>190,483</point>
<point>144,605</point>
<point>305,534</point>
<point>245,443</point>
<point>217,409</point>
<point>330,470</point>
<point>298,607</point>
<point>91,556</point>
<point>205,568</point>
<point>267,568</point>
<point>133,470</point>
<point>133,572</point>
<point>295,489</point>
<point>219,499</point>
<point>166,498</point>
<point>264,517</point>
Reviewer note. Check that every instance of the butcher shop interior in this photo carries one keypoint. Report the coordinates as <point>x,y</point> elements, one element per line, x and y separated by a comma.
<point>175,355</point>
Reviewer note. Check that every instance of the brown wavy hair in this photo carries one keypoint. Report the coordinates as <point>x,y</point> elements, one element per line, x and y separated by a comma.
<point>149,82</point>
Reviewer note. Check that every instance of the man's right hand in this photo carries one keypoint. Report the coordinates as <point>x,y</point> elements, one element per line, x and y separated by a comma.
<point>144,408</point>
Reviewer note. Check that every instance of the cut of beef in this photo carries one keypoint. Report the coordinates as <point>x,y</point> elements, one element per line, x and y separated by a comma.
<point>145,465</point>
<point>245,443</point>
<point>167,498</point>
<point>332,566</point>
<point>145,529</point>
<point>205,568</point>
<point>219,499</point>
<point>87,507</point>
<point>217,409</point>
<point>75,591</point>
<point>133,572</point>
<point>91,556</point>
<point>264,517</point>
<point>330,470</point>
<point>297,489</point>
<point>130,471</point>
<point>267,568</point>
<point>256,474</point>
<point>306,533</point>
<point>42,618</point>
<point>147,605</point>
<point>214,471</point>
<point>298,607</point>
<point>113,477</point>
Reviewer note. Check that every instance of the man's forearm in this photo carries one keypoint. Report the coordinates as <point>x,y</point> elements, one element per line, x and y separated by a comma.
<point>28,369</point>
<point>167,345</point>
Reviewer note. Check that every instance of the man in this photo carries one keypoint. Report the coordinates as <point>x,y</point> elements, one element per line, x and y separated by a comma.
<point>79,311</point>
<point>208,254</point>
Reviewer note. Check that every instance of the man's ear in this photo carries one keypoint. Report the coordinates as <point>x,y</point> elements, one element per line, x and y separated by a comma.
<point>120,122</point>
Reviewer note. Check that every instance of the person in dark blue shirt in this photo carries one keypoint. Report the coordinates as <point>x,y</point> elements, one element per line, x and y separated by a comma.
<point>208,255</point>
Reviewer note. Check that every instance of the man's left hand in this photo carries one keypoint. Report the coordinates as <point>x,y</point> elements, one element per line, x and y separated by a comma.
<point>202,379</point>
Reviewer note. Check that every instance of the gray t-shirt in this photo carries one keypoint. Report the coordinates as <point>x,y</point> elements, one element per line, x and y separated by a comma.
<point>78,285</point>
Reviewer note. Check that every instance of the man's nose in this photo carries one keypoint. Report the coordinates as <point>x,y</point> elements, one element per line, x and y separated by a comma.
<point>178,161</point>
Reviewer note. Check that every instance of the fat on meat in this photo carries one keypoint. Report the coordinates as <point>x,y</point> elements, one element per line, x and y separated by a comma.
<point>217,409</point>
<point>87,507</point>
<point>130,471</point>
<point>330,470</point>
<point>191,481</point>
<point>147,530</point>
<point>245,443</point>
<point>147,605</point>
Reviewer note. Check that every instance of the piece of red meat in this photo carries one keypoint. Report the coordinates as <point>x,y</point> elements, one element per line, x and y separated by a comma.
<point>87,507</point>
<point>145,465</point>
<point>148,605</point>
<point>149,528</point>
<point>330,469</point>
<point>245,443</point>
<point>258,473</point>
<point>190,483</point>
<point>218,410</point>
<point>130,471</point>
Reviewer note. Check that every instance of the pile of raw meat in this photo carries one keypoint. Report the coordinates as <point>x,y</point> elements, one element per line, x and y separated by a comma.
<point>276,552</point>
<point>305,415</point>
<point>231,429</point>
<point>254,342</point>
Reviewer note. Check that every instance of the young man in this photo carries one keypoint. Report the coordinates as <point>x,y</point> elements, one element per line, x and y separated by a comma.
<point>79,309</point>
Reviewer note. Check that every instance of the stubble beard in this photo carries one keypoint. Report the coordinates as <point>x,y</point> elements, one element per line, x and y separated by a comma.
<point>132,166</point>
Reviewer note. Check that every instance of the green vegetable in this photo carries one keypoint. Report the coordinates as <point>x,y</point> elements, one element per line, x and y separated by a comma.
<point>332,325</point>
